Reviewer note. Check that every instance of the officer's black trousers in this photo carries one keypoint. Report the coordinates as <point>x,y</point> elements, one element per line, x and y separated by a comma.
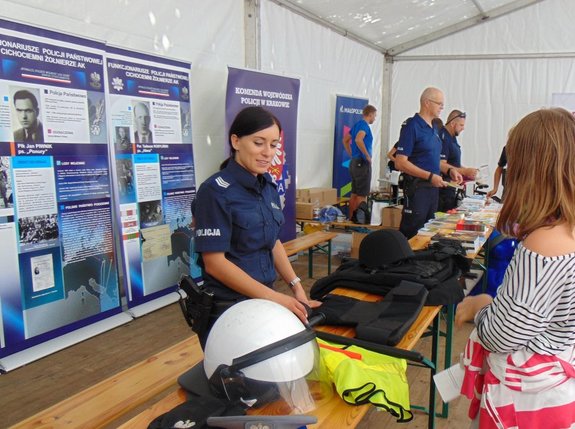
<point>418,208</point>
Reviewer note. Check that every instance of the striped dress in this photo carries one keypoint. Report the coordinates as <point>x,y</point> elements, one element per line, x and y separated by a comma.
<point>520,359</point>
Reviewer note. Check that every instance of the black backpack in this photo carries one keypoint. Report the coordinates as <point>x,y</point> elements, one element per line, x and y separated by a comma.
<point>362,215</point>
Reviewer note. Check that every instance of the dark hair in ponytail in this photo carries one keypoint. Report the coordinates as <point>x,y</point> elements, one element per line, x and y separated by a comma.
<point>248,121</point>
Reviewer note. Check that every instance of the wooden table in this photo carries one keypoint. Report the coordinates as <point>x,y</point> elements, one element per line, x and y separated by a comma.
<point>330,415</point>
<point>318,241</point>
<point>335,413</point>
<point>343,225</point>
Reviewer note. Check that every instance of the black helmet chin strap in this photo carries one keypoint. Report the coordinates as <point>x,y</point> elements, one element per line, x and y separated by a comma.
<point>271,350</point>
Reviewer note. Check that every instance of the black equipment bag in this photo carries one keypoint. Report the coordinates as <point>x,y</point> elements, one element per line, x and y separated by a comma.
<point>362,214</point>
<point>384,322</point>
<point>438,268</point>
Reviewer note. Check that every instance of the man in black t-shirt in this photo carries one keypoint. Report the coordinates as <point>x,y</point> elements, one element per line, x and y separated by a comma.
<point>499,173</point>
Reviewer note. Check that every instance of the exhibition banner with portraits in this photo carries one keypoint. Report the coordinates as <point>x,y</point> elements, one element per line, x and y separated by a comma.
<point>150,130</point>
<point>348,110</point>
<point>56,230</point>
<point>279,95</point>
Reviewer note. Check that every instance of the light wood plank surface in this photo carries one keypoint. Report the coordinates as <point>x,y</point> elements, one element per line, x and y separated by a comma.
<point>113,397</point>
<point>307,241</point>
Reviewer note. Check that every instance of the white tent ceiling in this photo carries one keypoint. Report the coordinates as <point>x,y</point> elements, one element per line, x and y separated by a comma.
<point>395,26</point>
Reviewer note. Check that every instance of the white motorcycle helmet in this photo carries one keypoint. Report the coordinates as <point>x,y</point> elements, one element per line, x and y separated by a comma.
<point>259,352</point>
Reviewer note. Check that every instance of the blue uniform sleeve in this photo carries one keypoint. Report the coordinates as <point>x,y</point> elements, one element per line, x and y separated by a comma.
<point>213,223</point>
<point>445,152</point>
<point>406,139</point>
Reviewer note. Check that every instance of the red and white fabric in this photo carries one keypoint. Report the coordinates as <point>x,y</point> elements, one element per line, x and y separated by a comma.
<point>519,390</point>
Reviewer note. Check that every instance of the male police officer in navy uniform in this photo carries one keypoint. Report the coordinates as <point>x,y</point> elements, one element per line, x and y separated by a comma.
<point>418,157</point>
<point>451,156</point>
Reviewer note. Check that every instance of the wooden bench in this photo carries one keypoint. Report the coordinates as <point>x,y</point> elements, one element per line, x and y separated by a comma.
<point>316,241</point>
<point>109,400</point>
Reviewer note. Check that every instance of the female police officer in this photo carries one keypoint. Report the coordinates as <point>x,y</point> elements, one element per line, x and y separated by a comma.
<point>238,218</point>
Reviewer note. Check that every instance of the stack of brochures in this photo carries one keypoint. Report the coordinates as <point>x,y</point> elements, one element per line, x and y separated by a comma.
<point>470,240</point>
<point>474,217</point>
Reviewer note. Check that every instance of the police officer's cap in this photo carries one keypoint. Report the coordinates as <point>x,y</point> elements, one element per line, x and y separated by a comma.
<point>384,247</point>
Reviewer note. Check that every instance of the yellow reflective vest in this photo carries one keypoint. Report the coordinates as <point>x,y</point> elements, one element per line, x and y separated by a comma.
<point>362,376</point>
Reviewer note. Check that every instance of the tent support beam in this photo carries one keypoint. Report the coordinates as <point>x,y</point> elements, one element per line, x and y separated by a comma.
<point>478,19</point>
<point>472,57</point>
<point>252,34</point>
<point>318,20</point>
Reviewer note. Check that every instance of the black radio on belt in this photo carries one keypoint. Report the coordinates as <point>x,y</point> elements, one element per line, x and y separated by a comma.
<point>197,306</point>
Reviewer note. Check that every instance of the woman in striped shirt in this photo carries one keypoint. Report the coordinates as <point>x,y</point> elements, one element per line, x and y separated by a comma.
<point>520,359</point>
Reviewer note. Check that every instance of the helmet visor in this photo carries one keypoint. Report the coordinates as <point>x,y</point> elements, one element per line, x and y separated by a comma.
<point>297,386</point>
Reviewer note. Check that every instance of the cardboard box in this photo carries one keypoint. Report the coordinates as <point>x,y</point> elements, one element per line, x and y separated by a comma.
<point>391,216</point>
<point>329,196</point>
<point>320,196</point>
<point>356,238</point>
<point>303,210</point>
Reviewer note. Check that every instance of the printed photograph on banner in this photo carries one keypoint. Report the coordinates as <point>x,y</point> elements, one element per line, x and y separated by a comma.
<point>122,139</point>
<point>38,231</point>
<point>125,179</point>
<point>142,122</point>
<point>42,272</point>
<point>186,119</point>
<point>150,213</point>
<point>26,120</point>
<point>6,193</point>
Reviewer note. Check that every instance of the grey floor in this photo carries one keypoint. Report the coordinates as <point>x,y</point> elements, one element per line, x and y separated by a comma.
<point>38,385</point>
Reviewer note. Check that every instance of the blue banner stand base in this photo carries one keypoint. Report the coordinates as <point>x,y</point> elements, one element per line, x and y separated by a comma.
<point>156,304</point>
<point>39,351</point>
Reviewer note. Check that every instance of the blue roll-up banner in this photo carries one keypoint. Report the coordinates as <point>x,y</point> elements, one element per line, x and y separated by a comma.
<point>279,95</point>
<point>57,260</point>
<point>150,130</point>
<point>348,110</point>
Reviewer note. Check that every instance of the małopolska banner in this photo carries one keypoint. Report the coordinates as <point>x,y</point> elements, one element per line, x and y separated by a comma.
<point>279,95</point>
<point>151,132</point>
<point>348,110</point>
<point>57,250</point>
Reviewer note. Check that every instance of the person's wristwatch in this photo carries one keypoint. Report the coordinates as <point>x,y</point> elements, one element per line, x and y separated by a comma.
<point>294,282</point>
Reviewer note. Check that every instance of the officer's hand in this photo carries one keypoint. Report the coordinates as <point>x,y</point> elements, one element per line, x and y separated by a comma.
<point>293,305</point>
<point>470,173</point>
<point>469,307</point>
<point>437,181</point>
<point>300,295</point>
<point>455,176</point>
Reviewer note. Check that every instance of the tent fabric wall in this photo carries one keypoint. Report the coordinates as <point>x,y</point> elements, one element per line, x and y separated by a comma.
<point>327,64</point>
<point>186,30</point>
<point>498,90</point>
<point>542,28</point>
<point>494,93</point>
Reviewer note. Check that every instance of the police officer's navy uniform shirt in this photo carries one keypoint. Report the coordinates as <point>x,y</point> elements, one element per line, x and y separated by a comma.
<point>239,214</point>
<point>420,143</point>
<point>361,125</point>
<point>450,149</point>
